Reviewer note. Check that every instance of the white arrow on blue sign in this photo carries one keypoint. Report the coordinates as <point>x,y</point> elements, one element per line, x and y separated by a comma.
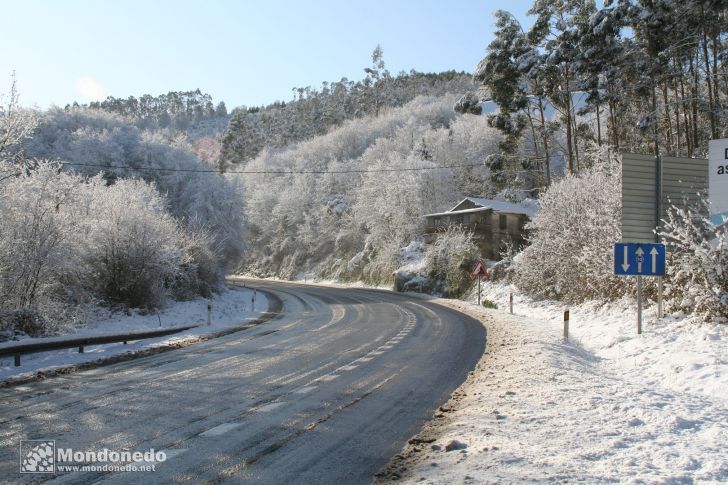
<point>639,259</point>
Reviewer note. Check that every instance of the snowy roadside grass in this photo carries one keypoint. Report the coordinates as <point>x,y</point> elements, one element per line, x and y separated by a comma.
<point>605,406</point>
<point>231,308</point>
<point>678,353</point>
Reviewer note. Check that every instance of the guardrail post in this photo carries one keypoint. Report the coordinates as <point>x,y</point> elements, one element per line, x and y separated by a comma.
<point>510,301</point>
<point>80,349</point>
<point>209,313</point>
<point>252,304</point>
<point>17,360</point>
<point>566,324</point>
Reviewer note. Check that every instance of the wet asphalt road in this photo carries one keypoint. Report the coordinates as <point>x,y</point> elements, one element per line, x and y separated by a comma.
<point>326,392</point>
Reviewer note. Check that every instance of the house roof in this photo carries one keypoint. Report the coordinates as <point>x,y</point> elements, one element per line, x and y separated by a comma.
<point>465,211</point>
<point>489,204</point>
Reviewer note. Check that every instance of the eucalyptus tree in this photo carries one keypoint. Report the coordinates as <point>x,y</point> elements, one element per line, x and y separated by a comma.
<point>499,72</point>
<point>556,32</point>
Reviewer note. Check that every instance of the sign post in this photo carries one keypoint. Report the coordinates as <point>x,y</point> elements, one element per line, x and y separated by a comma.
<point>479,270</point>
<point>640,259</point>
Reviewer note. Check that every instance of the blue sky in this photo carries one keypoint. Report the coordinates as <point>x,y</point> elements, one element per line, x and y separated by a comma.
<point>241,52</point>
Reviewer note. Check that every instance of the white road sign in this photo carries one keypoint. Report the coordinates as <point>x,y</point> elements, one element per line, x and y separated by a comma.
<point>718,180</point>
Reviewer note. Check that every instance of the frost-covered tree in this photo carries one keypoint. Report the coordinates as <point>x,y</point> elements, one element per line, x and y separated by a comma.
<point>93,141</point>
<point>131,247</point>
<point>469,104</point>
<point>572,237</point>
<point>16,125</point>
<point>69,242</point>
<point>450,257</point>
<point>36,216</point>
<point>697,269</point>
<point>498,72</point>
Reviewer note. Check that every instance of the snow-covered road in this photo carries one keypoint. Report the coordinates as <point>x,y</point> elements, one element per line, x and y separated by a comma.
<point>325,393</point>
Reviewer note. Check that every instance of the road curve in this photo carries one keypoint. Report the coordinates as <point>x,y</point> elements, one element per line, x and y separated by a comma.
<point>326,392</point>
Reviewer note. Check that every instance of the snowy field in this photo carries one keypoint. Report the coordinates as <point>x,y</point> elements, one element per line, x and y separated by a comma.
<point>229,309</point>
<point>606,406</point>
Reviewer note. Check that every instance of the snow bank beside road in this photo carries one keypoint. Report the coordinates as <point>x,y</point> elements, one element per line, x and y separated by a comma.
<point>677,353</point>
<point>229,309</point>
<point>590,410</point>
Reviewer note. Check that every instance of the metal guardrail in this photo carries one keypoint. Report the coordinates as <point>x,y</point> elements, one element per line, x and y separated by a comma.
<point>81,342</point>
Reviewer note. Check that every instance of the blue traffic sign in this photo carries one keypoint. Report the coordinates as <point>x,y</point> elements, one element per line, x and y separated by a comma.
<point>639,259</point>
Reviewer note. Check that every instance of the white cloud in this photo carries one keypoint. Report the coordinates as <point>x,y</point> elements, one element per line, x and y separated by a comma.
<point>90,89</point>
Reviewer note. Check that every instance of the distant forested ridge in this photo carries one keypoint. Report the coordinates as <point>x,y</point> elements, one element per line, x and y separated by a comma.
<point>314,112</point>
<point>176,109</point>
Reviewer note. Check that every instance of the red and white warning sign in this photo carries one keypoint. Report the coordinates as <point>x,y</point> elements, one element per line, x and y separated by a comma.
<point>479,269</point>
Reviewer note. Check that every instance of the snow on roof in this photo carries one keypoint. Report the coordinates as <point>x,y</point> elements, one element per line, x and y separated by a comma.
<point>500,206</point>
<point>494,205</point>
<point>465,211</point>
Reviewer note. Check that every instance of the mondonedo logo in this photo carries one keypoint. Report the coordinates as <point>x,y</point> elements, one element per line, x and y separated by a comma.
<point>42,456</point>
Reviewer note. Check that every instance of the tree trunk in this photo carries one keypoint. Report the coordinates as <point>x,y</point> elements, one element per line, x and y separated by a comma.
<point>708,82</point>
<point>613,132</point>
<point>668,122</point>
<point>677,116</point>
<point>656,126</point>
<point>569,130</point>
<point>684,104</point>
<point>694,71</point>
<point>544,133</point>
<point>716,90</point>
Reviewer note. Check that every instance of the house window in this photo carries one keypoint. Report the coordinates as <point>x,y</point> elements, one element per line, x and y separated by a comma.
<point>459,219</point>
<point>438,221</point>
<point>503,222</point>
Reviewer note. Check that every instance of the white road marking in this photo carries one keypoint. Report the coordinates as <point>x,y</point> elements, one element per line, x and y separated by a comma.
<point>304,390</point>
<point>171,453</point>
<point>348,367</point>
<point>326,378</point>
<point>269,407</point>
<point>220,430</point>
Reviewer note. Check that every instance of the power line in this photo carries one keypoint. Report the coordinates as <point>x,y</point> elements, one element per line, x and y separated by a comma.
<point>272,172</point>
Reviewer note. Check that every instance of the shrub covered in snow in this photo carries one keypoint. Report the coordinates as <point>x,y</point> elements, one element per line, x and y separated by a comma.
<point>697,268</point>
<point>573,235</point>
<point>130,244</point>
<point>68,241</point>
<point>450,257</point>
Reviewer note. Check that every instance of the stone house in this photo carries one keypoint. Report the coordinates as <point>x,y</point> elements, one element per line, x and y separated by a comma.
<point>494,223</point>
